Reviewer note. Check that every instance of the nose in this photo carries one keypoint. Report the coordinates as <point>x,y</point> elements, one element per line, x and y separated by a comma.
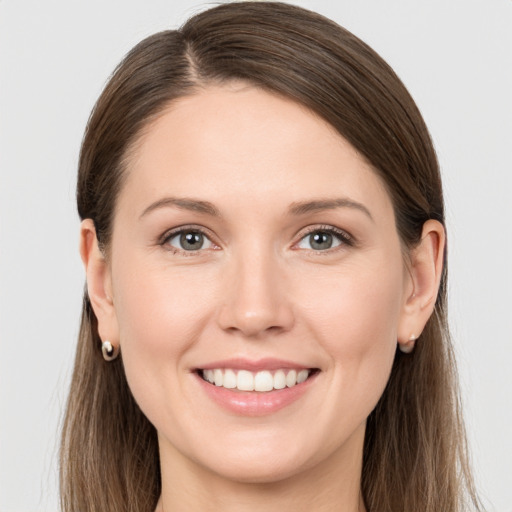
<point>255,297</point>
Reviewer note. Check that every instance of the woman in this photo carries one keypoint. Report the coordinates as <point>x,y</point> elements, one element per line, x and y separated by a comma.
<point>264,322</point>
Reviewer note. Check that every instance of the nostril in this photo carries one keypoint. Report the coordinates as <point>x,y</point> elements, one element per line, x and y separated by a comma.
<point>255,323</point>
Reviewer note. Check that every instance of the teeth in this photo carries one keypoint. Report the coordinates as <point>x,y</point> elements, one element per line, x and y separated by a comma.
<point>263,381</point>
<point>229,380</point>
<point>291,378</point>
<point>218,377</point>
<point>302,376</point>
<point>279,380</point>
<point>244,380</point>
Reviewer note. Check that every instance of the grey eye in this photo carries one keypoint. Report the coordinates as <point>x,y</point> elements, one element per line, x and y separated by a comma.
<point>320,241</point>
<point>189,241</point>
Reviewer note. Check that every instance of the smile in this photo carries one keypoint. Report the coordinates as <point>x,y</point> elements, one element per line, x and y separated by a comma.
<point>255,387</point>
<point>261,381</point>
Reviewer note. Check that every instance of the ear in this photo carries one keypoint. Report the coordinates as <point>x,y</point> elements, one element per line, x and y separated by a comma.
<point>425,271</point>
<point>99,283</point>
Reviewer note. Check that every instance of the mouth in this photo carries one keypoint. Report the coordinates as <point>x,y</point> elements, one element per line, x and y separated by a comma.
<point>262,381</point>
<point>257,387</point>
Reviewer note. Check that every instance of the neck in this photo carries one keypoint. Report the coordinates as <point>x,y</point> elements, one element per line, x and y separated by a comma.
<point>326,487</point>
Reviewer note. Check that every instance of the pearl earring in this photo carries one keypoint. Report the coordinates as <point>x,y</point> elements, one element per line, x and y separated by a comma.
<point>408,347</point>
<point>110,352</point>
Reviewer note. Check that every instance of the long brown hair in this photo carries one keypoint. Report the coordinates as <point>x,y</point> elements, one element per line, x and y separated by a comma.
<point>415,450</point>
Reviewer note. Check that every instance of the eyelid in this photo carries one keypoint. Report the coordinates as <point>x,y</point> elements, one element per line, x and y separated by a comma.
<point>171,233</point>
<point>346,238</point>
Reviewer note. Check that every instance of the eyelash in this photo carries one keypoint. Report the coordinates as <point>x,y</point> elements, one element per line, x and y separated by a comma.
<point>169,235</point>
<point>342,236</point>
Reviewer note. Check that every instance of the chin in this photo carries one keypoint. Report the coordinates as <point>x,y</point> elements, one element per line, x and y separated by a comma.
<point>271,458</point>
<point>257,470</point>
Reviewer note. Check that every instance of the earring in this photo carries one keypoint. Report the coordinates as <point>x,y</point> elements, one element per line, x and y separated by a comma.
<point>408,347</point>
<point>110,352</point>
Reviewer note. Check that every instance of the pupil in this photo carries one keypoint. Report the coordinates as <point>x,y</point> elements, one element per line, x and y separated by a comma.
<point>191,241</point>
<point>321,240</point>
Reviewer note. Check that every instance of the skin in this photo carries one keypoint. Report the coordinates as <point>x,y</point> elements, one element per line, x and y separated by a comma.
<point>257,289</point>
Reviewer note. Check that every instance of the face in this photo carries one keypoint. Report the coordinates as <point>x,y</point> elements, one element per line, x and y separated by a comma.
<point>253,247</point>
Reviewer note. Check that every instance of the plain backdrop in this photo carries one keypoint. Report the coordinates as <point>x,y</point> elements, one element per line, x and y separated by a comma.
<point>455,56</point>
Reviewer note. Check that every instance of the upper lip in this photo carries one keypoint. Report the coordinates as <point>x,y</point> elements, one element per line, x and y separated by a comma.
<point>254,365</point>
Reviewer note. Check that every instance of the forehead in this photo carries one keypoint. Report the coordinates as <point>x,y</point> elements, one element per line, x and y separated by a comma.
<point>237,144</point>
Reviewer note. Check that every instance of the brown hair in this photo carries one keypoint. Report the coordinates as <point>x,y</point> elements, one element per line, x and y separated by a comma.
<point>414,452</point>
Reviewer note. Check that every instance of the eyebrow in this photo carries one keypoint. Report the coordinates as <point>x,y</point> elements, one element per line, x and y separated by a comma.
<point>296,208</point>
<point>194,205</point>
<point>319,205</point>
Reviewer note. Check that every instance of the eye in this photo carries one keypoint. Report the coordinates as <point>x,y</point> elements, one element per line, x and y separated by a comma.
<point>323,239</point>
<point>188,240</point>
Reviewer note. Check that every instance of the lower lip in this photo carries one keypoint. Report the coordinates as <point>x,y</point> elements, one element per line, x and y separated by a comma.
<point>255,403</point>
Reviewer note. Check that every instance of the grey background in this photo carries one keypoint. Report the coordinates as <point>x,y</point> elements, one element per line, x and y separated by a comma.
<point>455,56</point>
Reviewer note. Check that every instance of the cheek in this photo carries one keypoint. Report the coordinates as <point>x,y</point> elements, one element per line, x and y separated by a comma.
<point>161,314</point>
<point>360,305</point>
<point>157,305</point>
<point>355,321</point>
